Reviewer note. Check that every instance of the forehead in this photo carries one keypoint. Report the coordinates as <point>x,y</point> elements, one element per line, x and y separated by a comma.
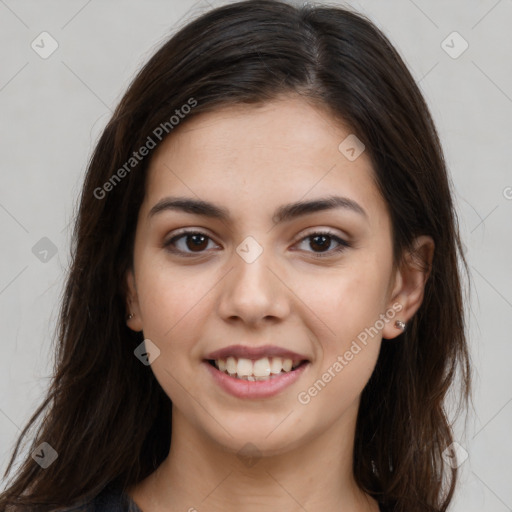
<point>288,128</point>
<point>247,155</point>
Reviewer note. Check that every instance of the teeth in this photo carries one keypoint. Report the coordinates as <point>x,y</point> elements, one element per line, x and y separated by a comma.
<point>261,369</point>
<point>276,365</point>
<point>244,367</point>
<point>231,365</point>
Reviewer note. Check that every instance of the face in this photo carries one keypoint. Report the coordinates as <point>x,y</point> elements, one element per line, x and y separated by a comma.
<point>264,285</point>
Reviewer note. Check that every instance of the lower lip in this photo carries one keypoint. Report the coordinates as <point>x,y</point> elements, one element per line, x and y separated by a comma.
<point>255,389</point>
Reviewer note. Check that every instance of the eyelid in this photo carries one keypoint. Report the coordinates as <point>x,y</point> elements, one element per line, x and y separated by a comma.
<point>340,239</point>
<point>323,230</point>
<point>182,233</point>
<point>189,231</point>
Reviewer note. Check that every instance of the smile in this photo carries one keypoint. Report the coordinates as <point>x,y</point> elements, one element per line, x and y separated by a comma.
<point>255,379</point>
<point>262,369</point>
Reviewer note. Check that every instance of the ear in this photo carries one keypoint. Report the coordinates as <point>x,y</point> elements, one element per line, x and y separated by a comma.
<point>132,304</point>
<point>409,283</point>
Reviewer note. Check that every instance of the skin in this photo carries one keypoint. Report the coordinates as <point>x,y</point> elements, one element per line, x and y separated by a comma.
<point>252,160</point>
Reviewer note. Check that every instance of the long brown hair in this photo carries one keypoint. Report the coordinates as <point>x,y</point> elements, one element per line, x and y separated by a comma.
<point>105,414</point>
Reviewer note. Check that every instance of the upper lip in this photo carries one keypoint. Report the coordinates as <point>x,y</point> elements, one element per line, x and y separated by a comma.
<point>254,353</point>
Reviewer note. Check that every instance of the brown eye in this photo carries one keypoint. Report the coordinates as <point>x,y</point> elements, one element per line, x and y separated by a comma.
<point>321,243</point>
<point>188,242</point>
<point>196,242</point>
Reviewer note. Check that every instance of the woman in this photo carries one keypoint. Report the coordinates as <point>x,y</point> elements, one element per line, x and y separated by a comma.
<point>266,266</point>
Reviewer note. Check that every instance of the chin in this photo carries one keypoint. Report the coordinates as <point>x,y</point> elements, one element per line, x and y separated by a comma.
<point>257,436</point>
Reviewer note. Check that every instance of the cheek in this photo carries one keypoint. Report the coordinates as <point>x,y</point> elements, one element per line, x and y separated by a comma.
<point>173,308</point>
<point>350,300</point>
<point>350,308</point>
<point>350,305</point>
<point>171,303</point>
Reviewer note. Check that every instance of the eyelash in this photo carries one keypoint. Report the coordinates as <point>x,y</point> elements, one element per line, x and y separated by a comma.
<point>343,244</point>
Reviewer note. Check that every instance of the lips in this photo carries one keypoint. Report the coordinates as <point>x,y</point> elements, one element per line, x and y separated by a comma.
<point>255,372</point>
<point>247,389</point>
<point>254,353</point>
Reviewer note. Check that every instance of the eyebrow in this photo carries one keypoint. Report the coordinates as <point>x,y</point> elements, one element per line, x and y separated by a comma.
<point>283,213</point>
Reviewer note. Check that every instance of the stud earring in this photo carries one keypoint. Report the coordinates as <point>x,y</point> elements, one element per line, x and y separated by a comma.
<point>130,316</point>
<point>400,325</point>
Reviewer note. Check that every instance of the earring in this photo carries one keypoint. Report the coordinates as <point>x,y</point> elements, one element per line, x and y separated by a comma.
<point>130,316</point>
<point>400,325</point>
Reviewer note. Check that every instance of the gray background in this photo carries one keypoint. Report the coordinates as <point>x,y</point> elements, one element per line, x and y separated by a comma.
<point>53,110</point>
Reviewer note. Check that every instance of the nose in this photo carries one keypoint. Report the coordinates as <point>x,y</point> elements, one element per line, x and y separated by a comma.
<point>254,292</point>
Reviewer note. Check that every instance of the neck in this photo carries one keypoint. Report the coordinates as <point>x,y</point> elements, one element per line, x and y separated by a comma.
<point>198,474</point>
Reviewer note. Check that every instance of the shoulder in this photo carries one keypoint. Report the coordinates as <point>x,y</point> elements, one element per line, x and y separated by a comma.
<point>109,500</point>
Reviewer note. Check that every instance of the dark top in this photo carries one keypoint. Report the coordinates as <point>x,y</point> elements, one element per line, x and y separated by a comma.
<point>113,501</point>
<point>107,501</point>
